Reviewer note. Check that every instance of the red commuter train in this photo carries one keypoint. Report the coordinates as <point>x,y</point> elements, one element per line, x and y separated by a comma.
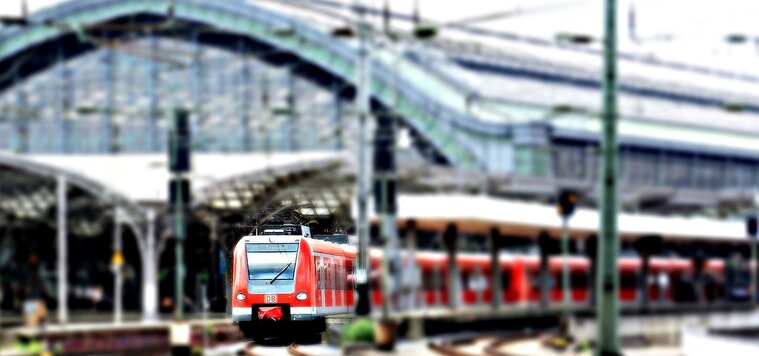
<point>284,278</point>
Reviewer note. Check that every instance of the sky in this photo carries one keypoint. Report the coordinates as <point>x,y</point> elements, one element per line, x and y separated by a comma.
<point>683,30</point>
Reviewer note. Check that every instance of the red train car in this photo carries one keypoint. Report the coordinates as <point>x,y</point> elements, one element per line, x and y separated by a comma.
<point>284,279</point>
<point>520,279</point>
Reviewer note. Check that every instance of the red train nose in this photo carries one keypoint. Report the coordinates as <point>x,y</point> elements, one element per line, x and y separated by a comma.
<point>270,313</point>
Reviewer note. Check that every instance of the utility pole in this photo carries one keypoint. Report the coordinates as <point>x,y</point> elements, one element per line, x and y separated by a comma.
<point>607,283</point>
<point>363,162</point>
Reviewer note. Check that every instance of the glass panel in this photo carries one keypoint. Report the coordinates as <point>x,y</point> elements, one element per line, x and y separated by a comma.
<point>267,261</point>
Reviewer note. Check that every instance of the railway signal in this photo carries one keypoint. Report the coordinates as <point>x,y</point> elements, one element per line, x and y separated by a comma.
<point>179,197</point>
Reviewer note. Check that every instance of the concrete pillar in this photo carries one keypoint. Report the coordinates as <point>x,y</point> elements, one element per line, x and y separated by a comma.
<point>496,282</point>
<point>62,251</point>
<point>149,273</point>
<point>450,238</point>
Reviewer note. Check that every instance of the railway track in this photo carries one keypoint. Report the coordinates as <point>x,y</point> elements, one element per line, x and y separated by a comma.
<point>488,345</point>
<point>252,349</point>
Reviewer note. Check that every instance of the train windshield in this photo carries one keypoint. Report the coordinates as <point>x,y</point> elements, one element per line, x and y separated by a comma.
<point>271,262</point>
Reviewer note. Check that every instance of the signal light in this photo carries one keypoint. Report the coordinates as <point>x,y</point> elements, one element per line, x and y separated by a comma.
<point>567,202</point>
<point>179,143</point>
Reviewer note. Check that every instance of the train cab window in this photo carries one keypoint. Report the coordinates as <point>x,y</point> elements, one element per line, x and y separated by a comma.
<point>271,262</point>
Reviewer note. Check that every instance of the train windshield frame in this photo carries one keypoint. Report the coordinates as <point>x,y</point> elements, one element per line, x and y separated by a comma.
<point>271,262</point>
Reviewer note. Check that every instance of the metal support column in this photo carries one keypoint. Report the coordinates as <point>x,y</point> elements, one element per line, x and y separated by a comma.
<point>291,140</point>
<point>754,269</point>
<point>607,309</point>
<point>643,279</point>
<point>198,77</point>
<point>385,199</point>
<point>62,251</point>
<point>61,127</point>
<point>20,132</point>
<point>496,282</point>
<point>153,83</point>
<point>544,242</point>
<point>566,290</point>
<point>450,237</point>
<point>116,263</point>
<point>364,165</point>
<point>149,272</point>
<point>412,279</point>
<point>337,116</point>
<point>245,99</point>
<point>108,135</point>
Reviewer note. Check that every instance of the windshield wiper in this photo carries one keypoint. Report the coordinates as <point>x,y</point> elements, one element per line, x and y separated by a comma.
<point>280,273</point>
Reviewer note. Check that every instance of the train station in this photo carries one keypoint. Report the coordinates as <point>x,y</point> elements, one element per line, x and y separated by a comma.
<point>319,177</point>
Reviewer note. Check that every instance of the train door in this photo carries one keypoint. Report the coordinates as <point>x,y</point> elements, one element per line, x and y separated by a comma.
<point>330,291</point>
<point>319,298</point>
<point>351,280</point>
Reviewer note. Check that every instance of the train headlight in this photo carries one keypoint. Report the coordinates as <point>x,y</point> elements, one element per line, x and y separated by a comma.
<point>301,296</point>
<point>240,296</point>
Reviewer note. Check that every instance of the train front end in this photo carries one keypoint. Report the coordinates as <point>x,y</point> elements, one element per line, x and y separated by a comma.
<point>271,285</point>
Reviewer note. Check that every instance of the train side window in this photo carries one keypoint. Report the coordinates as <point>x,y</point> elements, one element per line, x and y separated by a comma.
<point>329,276</point>
<point>505,279</point>
<point>579,280</point>
<point>428,280</point>
<point>333,274</point>
<point>319,279</point>
<point>465,280</point>
<point>628,280</point>
<point>438,279</point>
<point>322,276</point>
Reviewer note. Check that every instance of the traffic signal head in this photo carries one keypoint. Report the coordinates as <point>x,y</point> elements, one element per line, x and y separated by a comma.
<point>751,226</point>
<point>566,204</point>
